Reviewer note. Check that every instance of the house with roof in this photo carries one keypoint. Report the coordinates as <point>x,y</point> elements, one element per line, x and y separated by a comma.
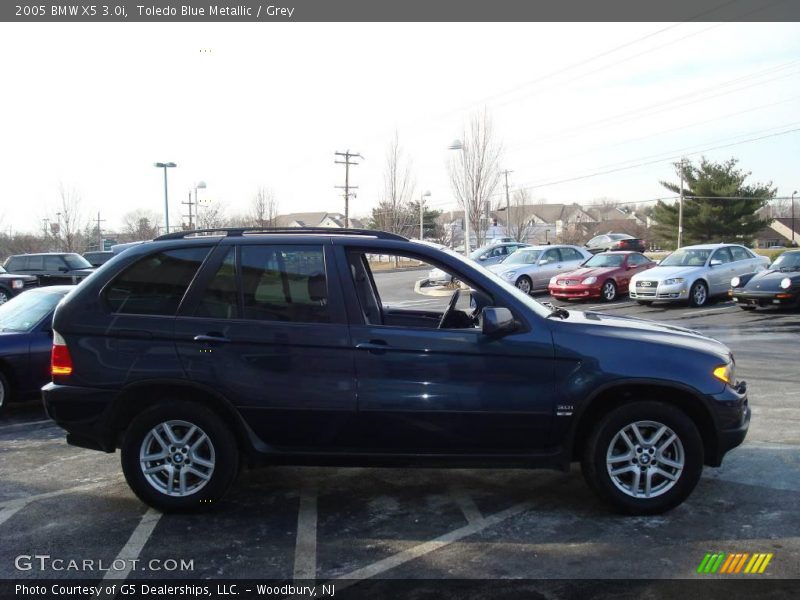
<point>316,219</point>
<point>779,233</point>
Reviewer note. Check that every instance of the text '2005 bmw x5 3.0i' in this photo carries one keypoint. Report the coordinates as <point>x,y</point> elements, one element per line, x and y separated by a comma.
<point>197,353</point>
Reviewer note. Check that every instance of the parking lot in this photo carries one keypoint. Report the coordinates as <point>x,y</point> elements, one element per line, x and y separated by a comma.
<point>361,523</point>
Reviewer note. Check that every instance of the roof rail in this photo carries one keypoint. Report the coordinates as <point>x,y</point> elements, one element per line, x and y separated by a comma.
<point>240,231</point>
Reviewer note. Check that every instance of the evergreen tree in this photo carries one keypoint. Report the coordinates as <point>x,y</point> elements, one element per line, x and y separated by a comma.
<point>718,206</point>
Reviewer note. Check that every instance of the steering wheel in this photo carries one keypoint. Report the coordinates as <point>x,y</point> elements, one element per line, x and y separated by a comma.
<point>451,306</point>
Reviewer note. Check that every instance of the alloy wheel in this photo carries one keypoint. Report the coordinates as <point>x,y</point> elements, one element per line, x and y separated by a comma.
<point>4,297</point>
<point>524,284</point>
<point>699,294</point>
<point>177,458</point>
<point>609,291</point>
<point>645,459</point>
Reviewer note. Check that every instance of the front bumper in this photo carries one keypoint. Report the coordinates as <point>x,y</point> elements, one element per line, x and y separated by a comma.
<point>781,298</point>
<point>677,291</point>
<point>574,291</point>
<point>733,421</point>
<point>83,413</point>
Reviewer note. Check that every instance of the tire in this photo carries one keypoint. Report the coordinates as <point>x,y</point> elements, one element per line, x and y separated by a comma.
<point>684,453</point>
<point>524,284</point>
<point>645,302</point>
<point>698,294</point>
<point>609,291</point>
<point>204,485</point>
<point>5,393</point>
<point>5,295</point>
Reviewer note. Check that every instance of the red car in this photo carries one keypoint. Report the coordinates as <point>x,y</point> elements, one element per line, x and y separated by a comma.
<point>603,276</point>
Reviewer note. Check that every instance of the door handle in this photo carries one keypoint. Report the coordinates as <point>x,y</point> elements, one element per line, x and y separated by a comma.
<point>211,339</point>
<point>374,346</point>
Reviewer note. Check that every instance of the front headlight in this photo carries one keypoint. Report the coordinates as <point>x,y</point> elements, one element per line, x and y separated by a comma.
<point>786,283</point>
<point>735,282</point>
<point>589,281</point>
<point>17,284</point>
<point>725,373</point>
<point>554,279</point>
<point>509,274</point>
<point>674,281</point>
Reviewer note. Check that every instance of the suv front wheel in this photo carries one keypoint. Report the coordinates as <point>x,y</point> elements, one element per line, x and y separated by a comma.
<point>644,458</point>
<point>179,456</point>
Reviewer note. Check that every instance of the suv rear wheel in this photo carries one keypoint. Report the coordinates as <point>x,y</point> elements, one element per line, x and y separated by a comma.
<point>644,458</point>
<point>179,457</point>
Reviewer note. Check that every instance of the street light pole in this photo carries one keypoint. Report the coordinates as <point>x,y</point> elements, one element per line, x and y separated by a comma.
<point>422,214</point>
<point>680,210</point>
<point>793,195</point>
<point>165,166</point>
<point>459,145</point>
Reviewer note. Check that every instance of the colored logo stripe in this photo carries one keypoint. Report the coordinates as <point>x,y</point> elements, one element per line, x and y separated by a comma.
<point>719,562</point>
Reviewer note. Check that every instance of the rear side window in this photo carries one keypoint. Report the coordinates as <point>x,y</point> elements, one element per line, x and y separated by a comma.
<point>570,254</point>
<point>740,253</point>
<point>284,283</point>
<point>156,284</point>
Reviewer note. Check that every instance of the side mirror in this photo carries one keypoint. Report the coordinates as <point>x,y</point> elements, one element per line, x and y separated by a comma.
<point>483,257</point>
<point>715,263</point>
<point>497,321</point>
<point>544,261</point>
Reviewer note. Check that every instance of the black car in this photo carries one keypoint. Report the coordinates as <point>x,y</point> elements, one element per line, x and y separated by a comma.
<point>99,258</point>
<point>51,268</point>
<point>779,285</point>
<point>196,353</point>
<point>12,284</point>
<point>26,340</point>
<point>615,241</point>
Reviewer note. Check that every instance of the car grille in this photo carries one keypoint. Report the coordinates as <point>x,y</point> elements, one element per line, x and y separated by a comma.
<point>646,284</point>
<point>567,282</point>
<point>29,284</point>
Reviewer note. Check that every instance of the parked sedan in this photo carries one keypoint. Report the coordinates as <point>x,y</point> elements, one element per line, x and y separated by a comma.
<point>496,252</point>
<point>11,285</point>
<point>603,276</point>
<point>695,274</point>
<point>777,286</point>
<point>615,241</point>
<point>531,268</point>
<point>26,338</point>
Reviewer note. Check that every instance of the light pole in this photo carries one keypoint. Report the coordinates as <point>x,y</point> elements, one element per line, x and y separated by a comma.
<point>165,166</point>
<point>793,195</point>
<point>459,145</point>
<point>422,213</point>
<point>200,185</point>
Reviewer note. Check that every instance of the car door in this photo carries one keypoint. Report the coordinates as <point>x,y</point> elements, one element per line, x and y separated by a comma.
<point>721,270</point>
<point>743,261</point>
<point>427,389</point>
<point>264,326</point>
<point>549,264</point>
<point>55,269</point>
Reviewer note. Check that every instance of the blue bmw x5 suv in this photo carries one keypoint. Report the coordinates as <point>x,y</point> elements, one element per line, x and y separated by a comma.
<point>202,351</point>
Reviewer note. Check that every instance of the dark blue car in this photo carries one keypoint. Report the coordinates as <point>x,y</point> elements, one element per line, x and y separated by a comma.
<point>196,353</point>
<point>25,342</point>
<point>777,286</point>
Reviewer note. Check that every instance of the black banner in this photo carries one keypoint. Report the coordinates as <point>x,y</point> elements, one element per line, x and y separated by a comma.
<point>155,11</point>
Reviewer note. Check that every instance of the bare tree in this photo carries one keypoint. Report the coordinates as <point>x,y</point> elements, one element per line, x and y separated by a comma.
<point>264,208</point>
<point>519,220</point>
<point>211,216</point>
<point>393,212</point>
<point>70,219</point>
<point>475,171</point>
<point>139,225</point>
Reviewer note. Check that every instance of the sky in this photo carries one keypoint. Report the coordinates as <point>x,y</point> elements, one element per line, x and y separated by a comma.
<point>583,111</point>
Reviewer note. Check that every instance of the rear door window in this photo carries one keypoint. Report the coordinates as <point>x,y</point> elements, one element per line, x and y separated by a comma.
<point>740,253</point>
<point>156,283</point>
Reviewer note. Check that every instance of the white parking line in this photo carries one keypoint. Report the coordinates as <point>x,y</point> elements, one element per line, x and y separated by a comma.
<point>12,425</point>
<point>80,488</point>
<point>10,510</point>
<point>133,547</point>
<point>305,551</point>
<point>390,562</point>
<point>609,306</point>
<point>467,505</point>
<point>700,312</point>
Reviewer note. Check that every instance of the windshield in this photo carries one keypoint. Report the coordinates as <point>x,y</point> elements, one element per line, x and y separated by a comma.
<point>523,257</point>
<point>2,270</point>
<point>605,260</point>
<point>76,261</point>
<point>787,260</point>
<point>620,236</point>
<point>26,310</point>
<point>476,254</point>
<point>694,257</point>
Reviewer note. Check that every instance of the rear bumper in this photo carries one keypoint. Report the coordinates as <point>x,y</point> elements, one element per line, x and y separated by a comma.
<point>83,413</point>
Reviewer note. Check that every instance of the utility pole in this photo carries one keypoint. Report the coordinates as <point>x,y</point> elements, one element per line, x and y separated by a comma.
<point>347,187</point>
<point>190,204</point>
<point>793,242</point>
<point>99,232</point>
<point>680,208</point>
<point>508,198</point>
<point>45,222</point>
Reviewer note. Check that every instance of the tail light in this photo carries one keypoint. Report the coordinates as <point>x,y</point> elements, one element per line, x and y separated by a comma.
<point>60,359</point>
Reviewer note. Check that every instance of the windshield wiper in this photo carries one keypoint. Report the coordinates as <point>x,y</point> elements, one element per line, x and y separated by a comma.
<point>791,268</point>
